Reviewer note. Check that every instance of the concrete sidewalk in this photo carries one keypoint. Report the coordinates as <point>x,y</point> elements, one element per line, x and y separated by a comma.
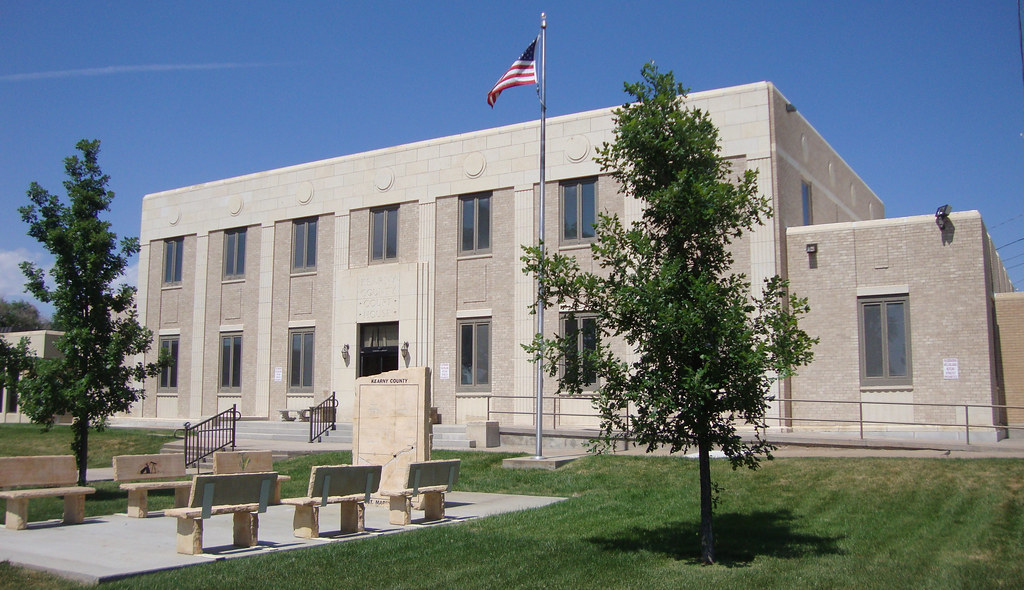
<point>111,547</point>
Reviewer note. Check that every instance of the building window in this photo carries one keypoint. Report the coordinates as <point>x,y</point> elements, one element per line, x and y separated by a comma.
<point>234,253</point>
<point>475,355</point>
<point>169,374</point>
<point>885,340</point>
<point>579,210</point>
<point>805,199</point>
<point>300,361</point>
<point>11,395</point>
<point>304,244</point>
<point>384,234</point>
<point>173,250</point>
<point>475,224</point>
<point>230,362</point>
<point>582,329</point>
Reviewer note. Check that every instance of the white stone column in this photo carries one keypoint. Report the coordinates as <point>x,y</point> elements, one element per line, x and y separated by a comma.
<point>261,394</point>
<point>198,335</point>
<point>525,293</point>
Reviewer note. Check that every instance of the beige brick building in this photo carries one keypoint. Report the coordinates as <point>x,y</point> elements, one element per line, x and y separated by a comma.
<point>277,288</point>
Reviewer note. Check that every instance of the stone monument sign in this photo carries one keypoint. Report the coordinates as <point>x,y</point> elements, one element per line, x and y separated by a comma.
<point>391,422</point>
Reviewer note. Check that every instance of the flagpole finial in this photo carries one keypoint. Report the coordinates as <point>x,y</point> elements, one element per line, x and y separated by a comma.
<point>543,20</point>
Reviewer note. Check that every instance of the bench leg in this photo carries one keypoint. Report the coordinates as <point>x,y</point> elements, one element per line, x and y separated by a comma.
<point>74,508</point>
<point>401,506</point>
<point>181,497</point>
<point>353,517</point>
<point>138,503</point>
<point>276,500</point>
<point>433,505</point>
<point>306,522</point>
<point>17,513</point>
<point>246,529</point>
<point>190,536</point>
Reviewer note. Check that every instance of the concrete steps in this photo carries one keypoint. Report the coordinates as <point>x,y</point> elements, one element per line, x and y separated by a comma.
<point>452,437</point>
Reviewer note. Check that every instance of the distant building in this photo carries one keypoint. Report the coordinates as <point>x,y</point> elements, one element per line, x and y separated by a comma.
<point>276,288</point>
<point>42,343</point>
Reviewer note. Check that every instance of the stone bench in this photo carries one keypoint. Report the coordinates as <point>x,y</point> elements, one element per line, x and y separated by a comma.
<point>291,415</point>
<point>429,479</point>
<point>243,495</point>
<point>48,470</point>
<point>228,462</point>
<point>348,485</point>
<point>151,472</point>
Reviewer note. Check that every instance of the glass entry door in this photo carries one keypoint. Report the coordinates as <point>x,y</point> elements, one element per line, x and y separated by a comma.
<point>378,348</point>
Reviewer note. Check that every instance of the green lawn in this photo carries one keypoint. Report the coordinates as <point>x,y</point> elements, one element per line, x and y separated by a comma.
<point>631,522</point>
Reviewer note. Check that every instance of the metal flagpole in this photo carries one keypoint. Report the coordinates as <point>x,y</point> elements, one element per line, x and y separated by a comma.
<point>540,288</point>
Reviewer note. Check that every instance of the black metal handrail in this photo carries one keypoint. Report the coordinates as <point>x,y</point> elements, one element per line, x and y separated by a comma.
<point>209,436</point>
<point>323,417</point>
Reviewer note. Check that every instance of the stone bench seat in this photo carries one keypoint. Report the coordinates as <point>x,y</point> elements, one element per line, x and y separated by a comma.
<point>144,473</point>
<point>57,472</point>
<point>243,495</point>
<point>348,485</point>
<point>428,479</point>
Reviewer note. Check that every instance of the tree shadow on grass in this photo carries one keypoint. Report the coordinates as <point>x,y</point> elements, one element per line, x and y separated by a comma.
<point>739,539</point>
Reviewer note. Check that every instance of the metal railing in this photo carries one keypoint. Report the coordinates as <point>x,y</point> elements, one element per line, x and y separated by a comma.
<point>209,436</point>
<point>323,418</point>
<point>785,420</point>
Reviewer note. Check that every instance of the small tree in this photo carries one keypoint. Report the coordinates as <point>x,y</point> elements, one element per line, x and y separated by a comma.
<point>91,381</point>
<point>21,316</point>
<point>706,351</point>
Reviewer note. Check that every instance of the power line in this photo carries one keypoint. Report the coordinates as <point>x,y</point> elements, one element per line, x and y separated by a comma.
<point>1007,220</point>
<point>1010,244</point>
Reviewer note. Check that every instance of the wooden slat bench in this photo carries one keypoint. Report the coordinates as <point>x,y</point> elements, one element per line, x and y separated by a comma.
<point>431,479</point>
<point>228,462</point>
<point>348,485</point>
<point>243,495</point>
<point>47,470</point>
<point>151,472</point>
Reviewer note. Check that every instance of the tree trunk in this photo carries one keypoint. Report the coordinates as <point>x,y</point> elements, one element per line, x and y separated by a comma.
<point>80,446</point>
<point>707,536</point>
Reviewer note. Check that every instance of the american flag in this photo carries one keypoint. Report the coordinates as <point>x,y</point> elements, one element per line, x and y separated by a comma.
<point>522,72</point>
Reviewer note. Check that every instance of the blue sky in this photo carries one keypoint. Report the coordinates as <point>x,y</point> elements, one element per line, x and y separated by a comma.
<point>924,100</point>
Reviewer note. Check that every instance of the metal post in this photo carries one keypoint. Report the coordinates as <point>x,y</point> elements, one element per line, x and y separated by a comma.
<point>540,307</point>
<point>967,422</point>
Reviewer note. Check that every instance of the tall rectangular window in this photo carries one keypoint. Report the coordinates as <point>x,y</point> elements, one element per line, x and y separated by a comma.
<point>169,375</point>
<point>173,252</point>
<point>384,234</point>
<point>475,224</point>
<point>230,362</point>
<point>582,329</point>
<point>885,340</point>
<point>234,253</point>
<point>808,204</point>
<point>300,360</point>
<point>579,210</point>
<point>475,354</point>
<point>304,244</point>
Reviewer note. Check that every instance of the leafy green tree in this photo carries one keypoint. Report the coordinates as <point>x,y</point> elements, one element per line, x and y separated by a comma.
<point>91,380</point>
<point>705,349</point>
<point>21,316</point>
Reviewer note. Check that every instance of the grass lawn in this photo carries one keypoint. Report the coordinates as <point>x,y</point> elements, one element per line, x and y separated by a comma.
<point>631,522</point>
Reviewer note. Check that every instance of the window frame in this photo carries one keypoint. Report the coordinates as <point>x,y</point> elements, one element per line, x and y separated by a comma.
<point>473,202</point>
<point>475,325</point>
<point>307,359</point>
<point>234,253</point>
<point>308,241</point>
<point>174,257</point>
<point>886,379</point>
<point>167,380</point>
<point>578,204</point>
<point>807,202</point>
<point>389,229</point>
<point>231,370</point>
<point>579,318</point>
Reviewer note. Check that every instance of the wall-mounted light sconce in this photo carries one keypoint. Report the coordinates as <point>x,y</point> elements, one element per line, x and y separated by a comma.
<point>344,353</point>
<point>405,350</point>
<point>811,248</point>
<point>942,216</point>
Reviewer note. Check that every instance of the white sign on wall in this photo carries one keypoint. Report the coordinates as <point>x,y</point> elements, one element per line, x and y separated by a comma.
<point>444,371</point>
<point>277,374</point>
<point>950,368</point>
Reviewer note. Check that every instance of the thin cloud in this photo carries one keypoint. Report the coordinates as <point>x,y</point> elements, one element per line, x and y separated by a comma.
<point>139,69</point>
